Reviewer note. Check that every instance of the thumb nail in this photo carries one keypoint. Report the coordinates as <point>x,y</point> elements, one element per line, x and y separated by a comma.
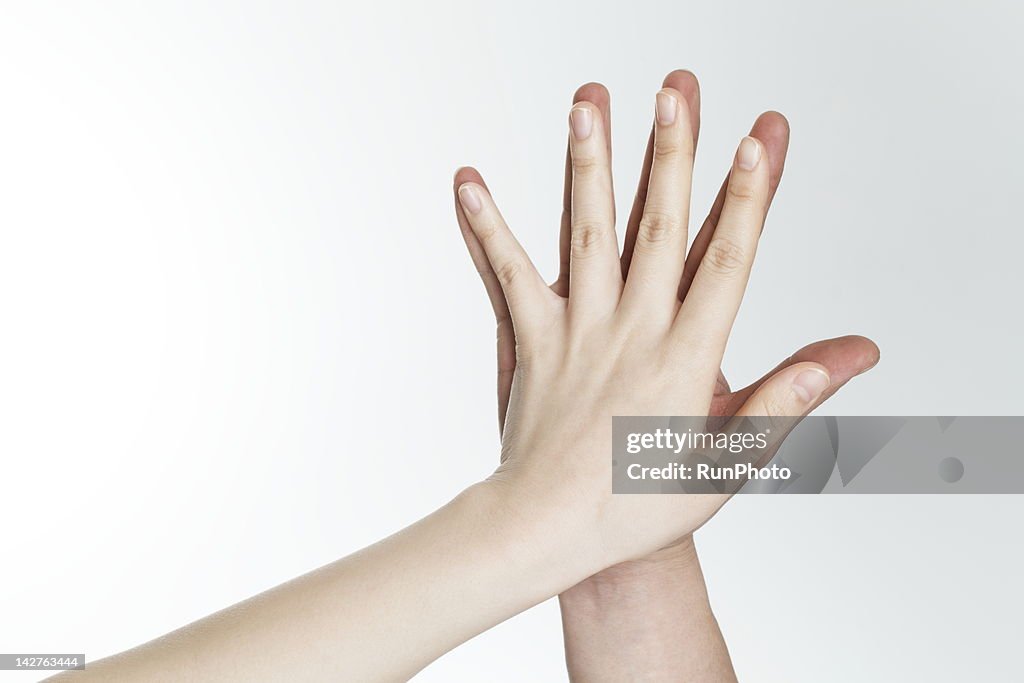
<point>810,384</point>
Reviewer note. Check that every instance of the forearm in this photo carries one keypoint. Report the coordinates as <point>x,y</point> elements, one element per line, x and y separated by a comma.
<point>647,620</point>
<point>378,615</point>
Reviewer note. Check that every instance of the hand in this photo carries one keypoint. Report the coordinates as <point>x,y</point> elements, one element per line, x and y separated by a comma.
<point>844,357</point>
<point>609,347</point>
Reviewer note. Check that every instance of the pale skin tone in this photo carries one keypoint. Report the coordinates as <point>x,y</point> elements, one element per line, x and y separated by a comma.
<point>546,520</point>
<point>628,621</point>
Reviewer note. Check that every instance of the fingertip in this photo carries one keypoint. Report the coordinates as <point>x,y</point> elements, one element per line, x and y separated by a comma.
<point>846,357</point>
<point>593,92</point>
<point>862,353</point>
<point>667,115</point>
<point>772,128</point>
<point>809,381</point>
<point>814,366</point>
<point>686,83</point>
<point>471,197</point>
<point>871,354</point>
<point>597,95</point>
<point>587,105</point>
<point>749,153</point>
<point>773,120</point>
<point>466,174</point>
<point>583,117</point>
<point>682,80</point>
<point>675,93</point>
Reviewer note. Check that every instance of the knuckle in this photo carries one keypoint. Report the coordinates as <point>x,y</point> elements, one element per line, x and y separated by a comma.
<point>670,150</point>
<point>657,228</point>
<point>585,237</point>
<point>486,232</point>
<point>771,407</point>
<point>774,414</point>
<point>724,257</point>
<point>510,272</point>
<point>585,164</point>
<point>742,193</point>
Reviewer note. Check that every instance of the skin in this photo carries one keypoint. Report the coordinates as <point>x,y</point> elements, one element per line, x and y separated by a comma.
<point>659,601</point>
<point>546,520</point>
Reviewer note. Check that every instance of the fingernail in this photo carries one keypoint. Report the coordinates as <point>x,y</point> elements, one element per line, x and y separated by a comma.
<point>665,109</point>
<point>581,120</point>
<point>748,154</point>
<point>470,198</point>
<point>809,385</point>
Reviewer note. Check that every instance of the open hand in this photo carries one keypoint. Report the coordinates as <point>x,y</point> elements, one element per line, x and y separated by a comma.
<point>634,334</point>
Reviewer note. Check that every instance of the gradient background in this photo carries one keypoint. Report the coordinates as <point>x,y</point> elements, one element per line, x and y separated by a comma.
<point>241,338</point>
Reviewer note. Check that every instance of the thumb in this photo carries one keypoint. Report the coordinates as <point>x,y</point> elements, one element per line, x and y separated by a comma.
<point>791,392</point>
<point>778,405</point>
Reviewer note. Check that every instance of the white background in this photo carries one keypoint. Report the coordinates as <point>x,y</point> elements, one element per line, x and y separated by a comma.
<point>240,337</point>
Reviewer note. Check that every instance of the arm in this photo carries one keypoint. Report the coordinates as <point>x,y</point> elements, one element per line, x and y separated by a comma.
<point>645,620</point>
<point>380,614</point>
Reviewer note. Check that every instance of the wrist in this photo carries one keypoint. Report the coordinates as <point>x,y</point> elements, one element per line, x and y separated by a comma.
<point>557,549</point>
<point>669,575</point>
<point>645,619</point>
